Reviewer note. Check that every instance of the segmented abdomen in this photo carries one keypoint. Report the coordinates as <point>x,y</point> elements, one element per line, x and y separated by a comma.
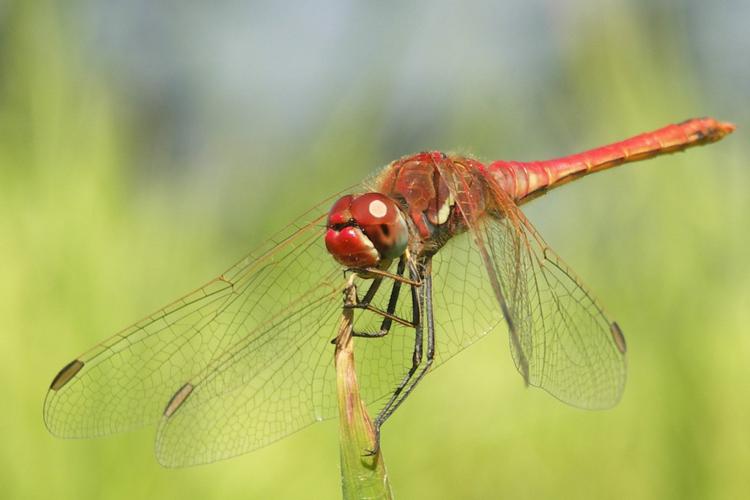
<point>527,180</point>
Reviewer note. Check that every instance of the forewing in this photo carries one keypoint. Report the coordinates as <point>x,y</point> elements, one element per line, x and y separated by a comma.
<point>560,338</point>
<point>271,303</point>
<point>573,350</point>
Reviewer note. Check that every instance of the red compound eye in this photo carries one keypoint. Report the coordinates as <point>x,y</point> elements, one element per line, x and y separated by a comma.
<point>366,229</point>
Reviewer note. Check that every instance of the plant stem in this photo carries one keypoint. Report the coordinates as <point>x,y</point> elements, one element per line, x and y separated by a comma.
<point>361,476</point>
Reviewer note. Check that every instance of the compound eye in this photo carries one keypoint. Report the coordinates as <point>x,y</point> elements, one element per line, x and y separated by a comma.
<point>382,222</point>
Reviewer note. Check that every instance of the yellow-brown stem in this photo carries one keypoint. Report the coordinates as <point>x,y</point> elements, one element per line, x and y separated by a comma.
<point>362,476</point>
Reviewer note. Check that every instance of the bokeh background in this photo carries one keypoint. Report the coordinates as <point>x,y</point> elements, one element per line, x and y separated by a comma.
<point>146,146</point>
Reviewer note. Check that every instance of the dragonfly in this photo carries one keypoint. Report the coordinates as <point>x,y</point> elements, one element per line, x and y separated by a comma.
<point>444,255</point>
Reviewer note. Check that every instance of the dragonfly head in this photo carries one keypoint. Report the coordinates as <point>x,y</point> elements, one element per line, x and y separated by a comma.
<point>365,230</point>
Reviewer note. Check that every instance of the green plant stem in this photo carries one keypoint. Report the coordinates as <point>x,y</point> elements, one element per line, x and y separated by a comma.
<point>361,476</point>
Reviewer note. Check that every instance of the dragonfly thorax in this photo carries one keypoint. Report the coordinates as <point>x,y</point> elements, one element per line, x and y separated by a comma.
<point>365,230</point>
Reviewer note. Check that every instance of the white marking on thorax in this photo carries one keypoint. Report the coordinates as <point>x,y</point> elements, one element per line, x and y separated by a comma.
<point>445,210</point>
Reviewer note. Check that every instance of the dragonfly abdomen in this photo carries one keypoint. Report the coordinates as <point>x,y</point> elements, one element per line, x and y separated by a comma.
<point>524,181</point>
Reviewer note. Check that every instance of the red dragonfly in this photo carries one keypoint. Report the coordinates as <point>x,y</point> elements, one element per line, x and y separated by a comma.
<point>246,359</point>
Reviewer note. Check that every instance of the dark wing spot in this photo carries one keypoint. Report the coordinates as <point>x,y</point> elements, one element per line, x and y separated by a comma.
<point>618,337</point>
<point>179,397</point>
<point>68,372</point>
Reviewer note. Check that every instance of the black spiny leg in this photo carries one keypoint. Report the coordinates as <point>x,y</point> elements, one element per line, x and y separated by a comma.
<point>364,303</point>
<point>416,360</point>
<point>430,347</point>
<point>388,315</point>
<point>369,295</point>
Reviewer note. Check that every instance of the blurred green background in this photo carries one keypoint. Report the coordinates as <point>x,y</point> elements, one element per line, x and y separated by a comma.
<point>144,148</point>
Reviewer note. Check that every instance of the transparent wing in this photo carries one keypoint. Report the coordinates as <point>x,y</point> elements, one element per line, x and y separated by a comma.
<point>274,301</point>
<point>572,349</point>
<point>279,377</point>
<point>561,339</point>
<point>276,380</point>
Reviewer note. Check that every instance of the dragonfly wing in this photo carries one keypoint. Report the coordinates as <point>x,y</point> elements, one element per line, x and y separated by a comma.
<point>573,350</point>
<point>560,337</point>
<point>260,305</point>
<point>276,380</point>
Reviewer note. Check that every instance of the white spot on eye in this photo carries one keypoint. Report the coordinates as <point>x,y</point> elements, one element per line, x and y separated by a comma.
<point>378,209</point>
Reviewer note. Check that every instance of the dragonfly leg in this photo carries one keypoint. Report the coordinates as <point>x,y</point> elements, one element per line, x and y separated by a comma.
<point>388,315</point>
<point>369,295</point>
<point>395,400</point>
<point>385,326</point>
<point>430,355</point>
<point>385,274</point>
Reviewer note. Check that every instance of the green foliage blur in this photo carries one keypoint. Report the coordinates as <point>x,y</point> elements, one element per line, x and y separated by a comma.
<point>89,242</point>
